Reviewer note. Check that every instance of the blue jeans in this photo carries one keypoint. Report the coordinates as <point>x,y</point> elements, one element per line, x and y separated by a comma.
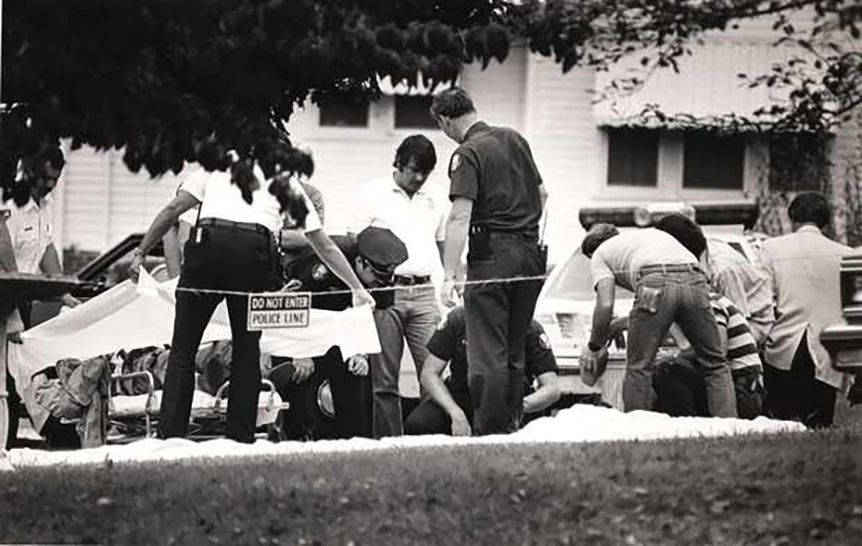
<point>418,315</point>
<point>385,369</point>
<point>680,294</point>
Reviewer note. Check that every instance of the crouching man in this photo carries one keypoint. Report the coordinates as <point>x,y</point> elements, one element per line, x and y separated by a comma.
<point>669,288</point>
<point>374,254</point>
<point>447,408</point>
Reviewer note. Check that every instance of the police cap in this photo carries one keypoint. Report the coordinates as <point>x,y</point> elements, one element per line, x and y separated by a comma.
<point>381,247</point>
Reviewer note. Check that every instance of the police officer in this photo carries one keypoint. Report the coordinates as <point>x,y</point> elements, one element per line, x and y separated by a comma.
<point>448,408</point>
<point>232,250</point>
<point>374,253</point>
<point>497,197</point>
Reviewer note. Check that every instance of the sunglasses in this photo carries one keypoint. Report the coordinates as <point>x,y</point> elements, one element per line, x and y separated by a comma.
<point>384,273</point>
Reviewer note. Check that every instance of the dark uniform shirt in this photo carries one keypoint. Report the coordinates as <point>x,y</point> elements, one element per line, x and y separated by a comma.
<point>449,343</point>
<point>317,278</point>
<point>494,168</point>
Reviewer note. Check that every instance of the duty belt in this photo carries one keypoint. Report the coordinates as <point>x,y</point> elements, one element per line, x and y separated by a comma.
<point>499,234</point>
<point>234,226</point>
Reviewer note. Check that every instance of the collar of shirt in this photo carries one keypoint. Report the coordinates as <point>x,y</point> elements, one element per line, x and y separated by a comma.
<point>475,129</point>
<point>422,191</point>
<point>32,205</point>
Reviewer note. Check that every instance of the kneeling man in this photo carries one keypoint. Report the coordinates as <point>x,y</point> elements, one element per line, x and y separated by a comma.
<point>447,408</point>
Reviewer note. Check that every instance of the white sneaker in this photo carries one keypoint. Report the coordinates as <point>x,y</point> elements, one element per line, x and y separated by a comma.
<point>5,464</point>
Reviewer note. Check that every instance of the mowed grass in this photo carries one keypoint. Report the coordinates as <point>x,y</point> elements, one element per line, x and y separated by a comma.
<point>786,489</point>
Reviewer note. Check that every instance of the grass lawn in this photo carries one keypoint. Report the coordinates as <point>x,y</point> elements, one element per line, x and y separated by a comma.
<point>786,489</point>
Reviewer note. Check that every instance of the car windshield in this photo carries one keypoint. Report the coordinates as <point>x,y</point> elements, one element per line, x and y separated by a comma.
<point>574,281</point>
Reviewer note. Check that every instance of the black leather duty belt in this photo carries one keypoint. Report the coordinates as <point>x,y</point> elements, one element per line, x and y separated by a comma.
<point>234,226</point>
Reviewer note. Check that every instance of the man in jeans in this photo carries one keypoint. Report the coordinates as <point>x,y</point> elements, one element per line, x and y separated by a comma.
<point>416,214</point>
<point>669,287</point>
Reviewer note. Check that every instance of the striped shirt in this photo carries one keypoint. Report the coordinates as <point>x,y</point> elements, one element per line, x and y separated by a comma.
<point>741,346</point>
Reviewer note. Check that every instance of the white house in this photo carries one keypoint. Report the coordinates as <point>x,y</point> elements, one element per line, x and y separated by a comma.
<point>587,152</point>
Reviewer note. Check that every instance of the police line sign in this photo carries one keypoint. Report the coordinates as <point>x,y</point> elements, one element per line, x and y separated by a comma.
<point>271,310</point>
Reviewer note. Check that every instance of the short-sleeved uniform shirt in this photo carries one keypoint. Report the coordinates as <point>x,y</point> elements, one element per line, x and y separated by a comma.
<point>622,256</point>
<point>494,168</point>
<point>317,278</point>
<point>222,199</point>
<point>31,228</point>
<point>449,343</point>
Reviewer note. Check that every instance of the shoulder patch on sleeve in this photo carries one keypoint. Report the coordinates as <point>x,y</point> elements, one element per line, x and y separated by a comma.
<point>455,163</point>
<point>319,272</point>
<point>544,342</point>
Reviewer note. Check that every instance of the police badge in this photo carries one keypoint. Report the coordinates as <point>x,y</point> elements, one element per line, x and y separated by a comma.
<point>455,163</point>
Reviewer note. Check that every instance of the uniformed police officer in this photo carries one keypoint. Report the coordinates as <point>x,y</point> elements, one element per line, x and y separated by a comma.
<point>497,198</point>
<point>232,250</point>
<point>448,409</point>
<point>374,253</point>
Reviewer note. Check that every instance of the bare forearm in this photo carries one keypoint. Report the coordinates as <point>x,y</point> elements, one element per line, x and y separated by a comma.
<point>438,392</point>
<point>333,258</point>
<point>541,399</point>
<point>456,237</point>
<point>163,221</point>
<point>601,331</point>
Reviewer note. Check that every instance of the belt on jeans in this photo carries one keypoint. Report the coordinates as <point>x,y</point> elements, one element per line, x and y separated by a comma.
<point>234,226</point>
<point>410,280</point>
<point>669,268</point>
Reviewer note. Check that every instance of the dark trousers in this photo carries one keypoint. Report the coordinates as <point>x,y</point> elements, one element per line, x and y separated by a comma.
<point>497,315</point>
<point>795,394</point>
<point>225,259</point>
<point>351,399</point>
<point>681,390</point>
<point>429,418</point>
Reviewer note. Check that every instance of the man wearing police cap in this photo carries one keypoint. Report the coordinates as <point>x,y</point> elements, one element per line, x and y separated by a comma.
<point>358,399</point>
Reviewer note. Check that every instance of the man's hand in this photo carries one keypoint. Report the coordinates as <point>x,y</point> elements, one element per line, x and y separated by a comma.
<point>69,300</point>
<point>292,286</point>
<point>362,297</point>
<point>460,425</point>
<point>449,294</point>
<point>358,365</point>
<point>593,364</point>
<point>302,369</point>
<point>136,264</point>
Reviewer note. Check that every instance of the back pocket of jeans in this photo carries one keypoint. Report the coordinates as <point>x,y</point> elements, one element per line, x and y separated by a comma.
<point>648,298</point>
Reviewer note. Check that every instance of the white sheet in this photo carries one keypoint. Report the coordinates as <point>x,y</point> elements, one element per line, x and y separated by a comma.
<point>129,316</point>
<point>574,425</point>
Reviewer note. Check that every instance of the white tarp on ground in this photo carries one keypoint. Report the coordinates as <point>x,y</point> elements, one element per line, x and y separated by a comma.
<point>129,316</point>
<point>580,423</point>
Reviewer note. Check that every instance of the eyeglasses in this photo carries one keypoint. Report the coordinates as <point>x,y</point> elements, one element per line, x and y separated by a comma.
<point>383,273</point>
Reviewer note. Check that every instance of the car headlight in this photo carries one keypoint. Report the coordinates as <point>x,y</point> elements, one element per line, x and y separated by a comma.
<point>642,217</point>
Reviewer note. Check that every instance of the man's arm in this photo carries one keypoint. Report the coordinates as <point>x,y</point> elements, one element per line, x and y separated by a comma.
<point>457,228</point>
<point>603,312</point>
<point>431,379</point>
<point>7,251</point>
<point>547,393</point>
<point>543,195</point>
<point>166,218</point>
<point>334,259</point>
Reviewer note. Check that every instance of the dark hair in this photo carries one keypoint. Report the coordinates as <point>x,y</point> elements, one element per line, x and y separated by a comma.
<point>242,175</point>
<point>289,199</point>
<point>810,208</point>
<point>597,235</point>
<point>32,169</point>
<point>684,230</point>
<point>452,103</point>
<point>417,147</point>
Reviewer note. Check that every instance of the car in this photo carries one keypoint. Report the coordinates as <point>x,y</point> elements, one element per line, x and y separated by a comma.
<point>565,304</point>
<point>843,340</point>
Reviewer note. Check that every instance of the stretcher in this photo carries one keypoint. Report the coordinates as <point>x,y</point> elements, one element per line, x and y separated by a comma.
<point>132,415</point>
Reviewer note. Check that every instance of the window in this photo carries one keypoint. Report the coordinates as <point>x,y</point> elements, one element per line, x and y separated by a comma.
<point>338,114</point>
<point>713,161</point>
<point>411,112</point>
<point>798,162</point>
<point>632,157</point>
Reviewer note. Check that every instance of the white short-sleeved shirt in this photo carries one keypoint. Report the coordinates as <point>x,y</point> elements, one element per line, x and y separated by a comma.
<point>31,229</point>
<point>420,221</point>
<point>221,199</point>
<point>622,256</point>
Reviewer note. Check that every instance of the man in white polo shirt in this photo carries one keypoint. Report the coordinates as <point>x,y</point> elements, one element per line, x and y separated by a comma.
<point>417,215</point>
